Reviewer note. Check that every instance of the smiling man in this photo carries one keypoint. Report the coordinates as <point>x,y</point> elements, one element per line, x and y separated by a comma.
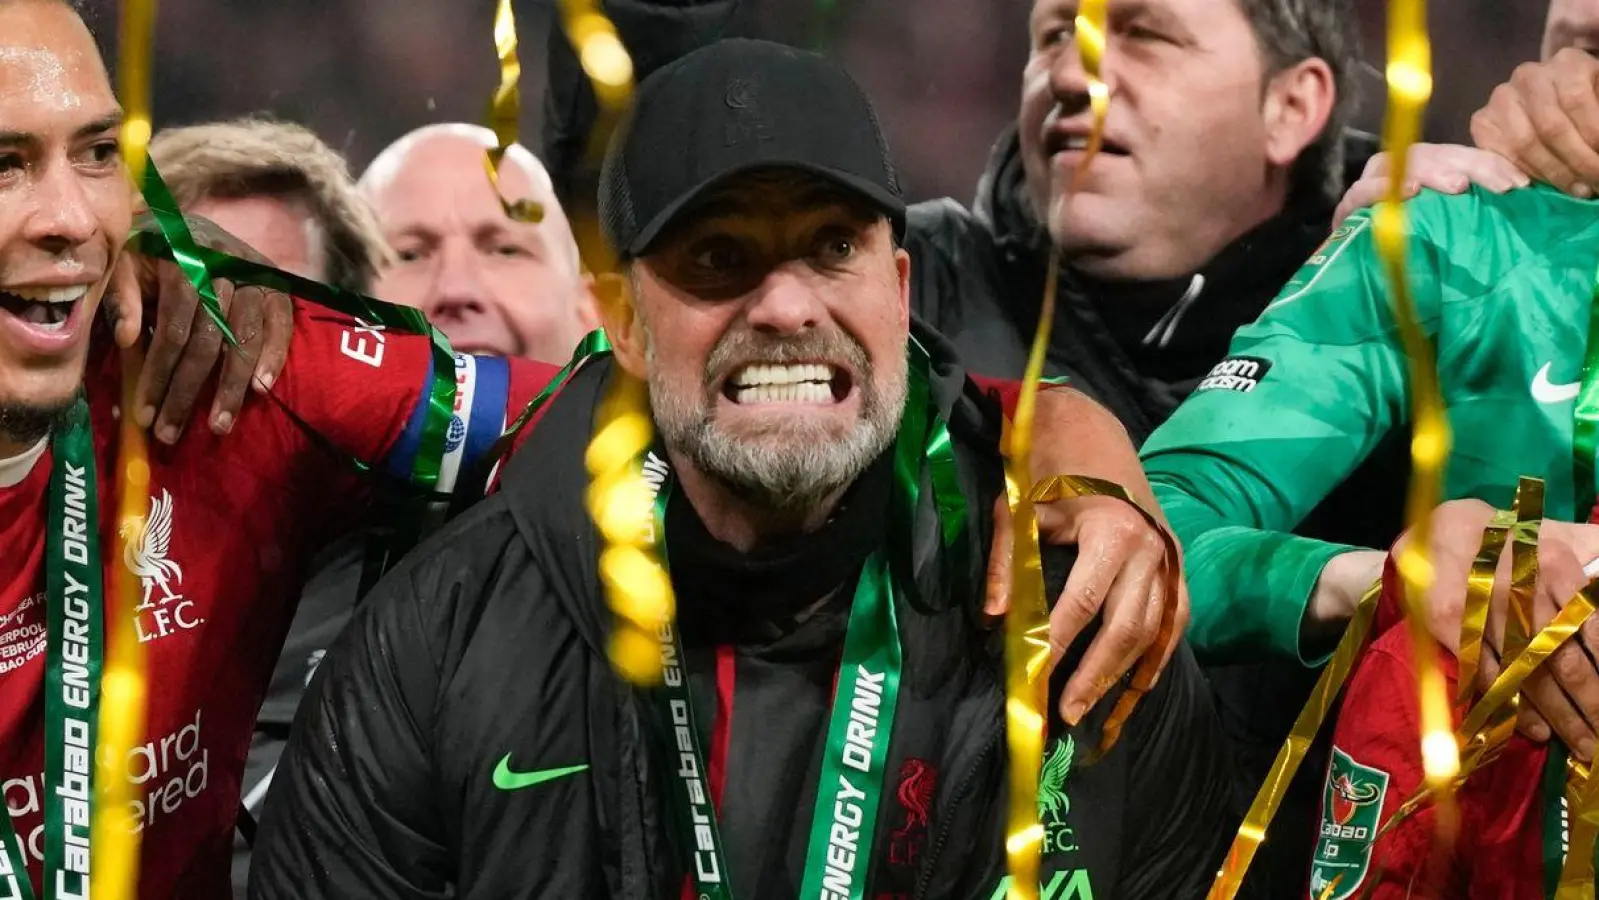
<point>467,737</point>
<point>233,519</point>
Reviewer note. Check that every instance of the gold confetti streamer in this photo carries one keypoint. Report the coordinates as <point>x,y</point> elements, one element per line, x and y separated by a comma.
<point>1409,88</point>
<point>1577,874</point>
<point>124,683</point>
<point>636,584</point>
<point>1027,620</point>
<point>1270,795</point>
<point>1026,628</point>
<point>505,112</point>
<point>1479,592</point>
<point>1091,48</point>
<point>622,507</point>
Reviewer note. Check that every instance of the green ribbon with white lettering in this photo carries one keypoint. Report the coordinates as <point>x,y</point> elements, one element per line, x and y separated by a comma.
<point>74,651</point>
<point>844,820</point>
<point>851,785</point>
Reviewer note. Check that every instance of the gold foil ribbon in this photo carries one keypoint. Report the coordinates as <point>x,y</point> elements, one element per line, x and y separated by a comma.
<point>1479,594</point>
<point>1091,31</point>
<point>622,507</point>
<point>1057,487</point>
<point>1026,628</point>
<point>1582,797</point>
<point>636,584</point>
<point>124,679</point>
<point>1486,728</point>
<point>505,111</point>
<point>1409,87</point>
<point>606,63</point>
<point>1270,796</point>
<point>1524,564</point>
<point>1027,648</point>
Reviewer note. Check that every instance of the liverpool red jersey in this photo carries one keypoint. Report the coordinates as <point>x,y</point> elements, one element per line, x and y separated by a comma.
<point>221,556</point>
<point>1376,766</point>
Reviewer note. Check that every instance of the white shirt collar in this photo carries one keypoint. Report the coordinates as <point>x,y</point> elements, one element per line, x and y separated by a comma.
<point>13,470</point>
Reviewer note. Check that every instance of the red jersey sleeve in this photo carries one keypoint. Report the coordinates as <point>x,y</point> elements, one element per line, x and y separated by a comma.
<point>366,389</point>
<point>1007,392</point>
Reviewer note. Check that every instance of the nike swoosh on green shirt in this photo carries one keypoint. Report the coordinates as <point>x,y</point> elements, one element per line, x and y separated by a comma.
<point>507,780</point>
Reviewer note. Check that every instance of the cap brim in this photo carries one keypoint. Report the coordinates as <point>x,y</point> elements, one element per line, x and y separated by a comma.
<point>891,204</point>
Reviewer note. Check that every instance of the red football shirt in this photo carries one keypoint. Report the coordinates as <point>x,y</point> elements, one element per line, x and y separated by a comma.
<point>245,512</point>
<point>1376,765</point>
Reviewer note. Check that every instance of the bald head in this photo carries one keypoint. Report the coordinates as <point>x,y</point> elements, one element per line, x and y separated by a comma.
<point>493,285</point>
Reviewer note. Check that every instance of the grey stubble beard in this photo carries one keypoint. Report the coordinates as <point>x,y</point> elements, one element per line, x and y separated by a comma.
<point>795,475</point>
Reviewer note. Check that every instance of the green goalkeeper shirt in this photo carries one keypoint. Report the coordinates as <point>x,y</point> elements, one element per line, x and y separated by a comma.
<point>1503,286</point>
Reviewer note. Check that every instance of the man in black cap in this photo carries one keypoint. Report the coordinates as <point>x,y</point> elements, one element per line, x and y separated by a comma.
<point>831,719</point>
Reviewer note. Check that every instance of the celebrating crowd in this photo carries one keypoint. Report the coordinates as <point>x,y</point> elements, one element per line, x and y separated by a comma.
<point>375,626</point>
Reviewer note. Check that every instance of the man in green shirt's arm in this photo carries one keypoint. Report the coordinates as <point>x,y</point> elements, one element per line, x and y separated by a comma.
<point>1305,395</point>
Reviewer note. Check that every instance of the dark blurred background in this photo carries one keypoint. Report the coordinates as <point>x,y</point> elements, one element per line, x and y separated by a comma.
<point>943,73</point>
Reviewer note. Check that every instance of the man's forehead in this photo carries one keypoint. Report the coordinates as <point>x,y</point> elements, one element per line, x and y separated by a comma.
<point>51,74</point>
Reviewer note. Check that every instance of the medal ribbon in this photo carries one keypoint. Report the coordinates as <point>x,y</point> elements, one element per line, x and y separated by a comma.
<point>850,788</point>
<point>74,651</point>
<point>862,716</point>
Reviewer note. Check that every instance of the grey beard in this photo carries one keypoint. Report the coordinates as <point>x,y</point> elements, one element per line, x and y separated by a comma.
<point>24,424</point>
<point>798,473</point>
<point>795,477</point>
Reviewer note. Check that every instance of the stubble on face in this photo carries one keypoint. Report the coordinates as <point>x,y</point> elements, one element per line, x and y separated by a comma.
<point>792,466</point>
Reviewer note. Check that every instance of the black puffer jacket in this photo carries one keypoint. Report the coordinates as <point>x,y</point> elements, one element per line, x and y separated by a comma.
<point>485,651</point>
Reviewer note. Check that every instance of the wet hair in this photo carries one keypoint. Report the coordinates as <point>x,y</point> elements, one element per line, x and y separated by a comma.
<point>1290,32</point>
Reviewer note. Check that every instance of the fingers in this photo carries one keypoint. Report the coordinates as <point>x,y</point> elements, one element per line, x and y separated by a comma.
<point>278,330</point>
<point>1366,193</point>
<point>1573,73</point>
<point>194,366</point>
<point>245,320</point>
<point>124,303</point>
<point>1514,123</point>
<point>1562,716</point>
<point>1451,169</point>
<point>1130,562</point>
<point>1572,670</point>
<point>1549,107</point>
<point>174,318</point>
<point>996,600</point>
<point>1457,532</point>
<point>1179,627</point>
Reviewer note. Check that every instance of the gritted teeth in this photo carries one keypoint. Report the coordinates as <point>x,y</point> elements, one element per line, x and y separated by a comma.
<point>779,376</point>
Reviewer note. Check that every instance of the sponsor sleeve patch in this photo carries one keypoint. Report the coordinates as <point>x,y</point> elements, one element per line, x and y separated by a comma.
<point>1351,810</point>
<point>1236,373</point>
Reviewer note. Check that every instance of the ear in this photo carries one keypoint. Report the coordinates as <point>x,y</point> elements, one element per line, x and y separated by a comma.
<point>902,266</point>
<point>588,302</point>
<point>619,316</point>
<point>1298,103</point>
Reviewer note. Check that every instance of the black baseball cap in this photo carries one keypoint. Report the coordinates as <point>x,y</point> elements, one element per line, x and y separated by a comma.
<point>732,107</point>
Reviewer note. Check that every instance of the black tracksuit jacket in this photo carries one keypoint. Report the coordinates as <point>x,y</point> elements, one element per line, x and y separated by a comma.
<point>490,641</point>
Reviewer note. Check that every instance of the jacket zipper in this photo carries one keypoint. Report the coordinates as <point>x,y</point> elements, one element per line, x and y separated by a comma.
<point>955,802</point>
